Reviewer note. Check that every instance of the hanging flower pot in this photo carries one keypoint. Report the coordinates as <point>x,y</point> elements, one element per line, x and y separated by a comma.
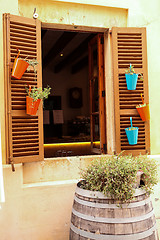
<point>34,98</point>
<point>132,134</point>
<point>143,110</point>
<point>19,67</point>
<point>32,106</point>
<point>131,78</point>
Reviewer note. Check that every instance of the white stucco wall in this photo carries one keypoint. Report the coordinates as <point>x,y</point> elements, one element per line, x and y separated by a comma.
<point>36,209</point>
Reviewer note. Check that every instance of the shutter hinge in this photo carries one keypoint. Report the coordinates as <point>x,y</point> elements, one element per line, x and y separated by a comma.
<point>103,93</point>
<point>105,147</point>
<point>102,40</point>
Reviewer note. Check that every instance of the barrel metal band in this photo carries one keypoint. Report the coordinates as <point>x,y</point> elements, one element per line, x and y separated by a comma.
<point>95,236</point>
<point>102,205</point>
<point>113,220</point>
<point>95,194</point>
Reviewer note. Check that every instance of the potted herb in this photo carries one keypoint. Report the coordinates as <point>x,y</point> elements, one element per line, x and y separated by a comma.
<point>132,134</point>
<point>35,95</point>
<point>21,65</point>
<point>131,78</point>
<point>108,204</point>
<point>143,110</point>
<point>117,176</point>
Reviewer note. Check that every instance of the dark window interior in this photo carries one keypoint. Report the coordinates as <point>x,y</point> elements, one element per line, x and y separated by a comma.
<point>67,110</point>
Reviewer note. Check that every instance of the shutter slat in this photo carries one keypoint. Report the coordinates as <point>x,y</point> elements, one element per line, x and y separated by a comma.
<point>23,155</point>
<point>24,54</point>
<point>25,134</point>
<point>20,41</point>
<point>26,33</point>
<point>23,28</point>
<point>23,48</point>
<point>28,147</point>
<point>25,141</point>
<point>30,137</point>
<point>129,46</point>
<point>24,124</point>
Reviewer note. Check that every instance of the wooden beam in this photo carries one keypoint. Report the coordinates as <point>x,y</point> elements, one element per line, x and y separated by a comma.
<point>81,49</point>
<point>67,27</point>
<point>79,65</point>
<point>82,63</point>
<point>61,43</point>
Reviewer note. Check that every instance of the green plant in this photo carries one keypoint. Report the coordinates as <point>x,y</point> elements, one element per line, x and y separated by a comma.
<point>141,76</point>
<point>38,93</point>
<point>32,64</point>
<point>130,69</point>
<point>115,176</point>
<point>141,105</point>
<point>132,128</point>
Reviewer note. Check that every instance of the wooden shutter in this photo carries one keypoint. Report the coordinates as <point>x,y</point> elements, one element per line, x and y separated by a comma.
<point>129,46</point>
<point>24,133</point>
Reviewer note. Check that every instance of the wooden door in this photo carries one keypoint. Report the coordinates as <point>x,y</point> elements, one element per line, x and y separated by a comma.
<point>24,133</point>
<point>97,94</point>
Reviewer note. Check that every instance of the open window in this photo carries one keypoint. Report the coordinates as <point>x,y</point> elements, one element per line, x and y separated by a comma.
<point>74,115</point>
<point>71,124</point>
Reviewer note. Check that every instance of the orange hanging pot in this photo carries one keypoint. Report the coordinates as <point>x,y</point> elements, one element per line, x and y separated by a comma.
<point>32,106</point>
<point>19,67</point>
<point>143,110</point>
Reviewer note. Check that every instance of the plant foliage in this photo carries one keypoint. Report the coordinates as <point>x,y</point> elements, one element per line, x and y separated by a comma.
<point>115,176</point>
<point>130,69</point>
<point>141,105</point>
<point>38,93</point>
<point>32,64</point>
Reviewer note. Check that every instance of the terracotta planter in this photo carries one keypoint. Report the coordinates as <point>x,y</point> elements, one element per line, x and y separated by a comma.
<point>144,112</point>
<point>32,106</point>
<point>19,67</point>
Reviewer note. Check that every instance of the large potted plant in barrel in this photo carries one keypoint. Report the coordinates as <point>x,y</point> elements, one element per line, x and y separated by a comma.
<point>109,203</point>
<point>35,96</point>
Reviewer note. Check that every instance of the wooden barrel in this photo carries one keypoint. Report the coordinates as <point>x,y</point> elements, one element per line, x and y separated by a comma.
<point>95,216</point>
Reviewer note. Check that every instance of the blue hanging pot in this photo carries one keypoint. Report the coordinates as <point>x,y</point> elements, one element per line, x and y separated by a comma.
<point>132,134</point>
<point>131,80</point>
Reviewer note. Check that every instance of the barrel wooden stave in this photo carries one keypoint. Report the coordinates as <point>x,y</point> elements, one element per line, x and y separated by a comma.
<point>111,222</point>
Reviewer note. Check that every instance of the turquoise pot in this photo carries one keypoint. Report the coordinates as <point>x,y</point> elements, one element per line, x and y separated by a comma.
<point>131,80</point>
<point>132,135</point>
